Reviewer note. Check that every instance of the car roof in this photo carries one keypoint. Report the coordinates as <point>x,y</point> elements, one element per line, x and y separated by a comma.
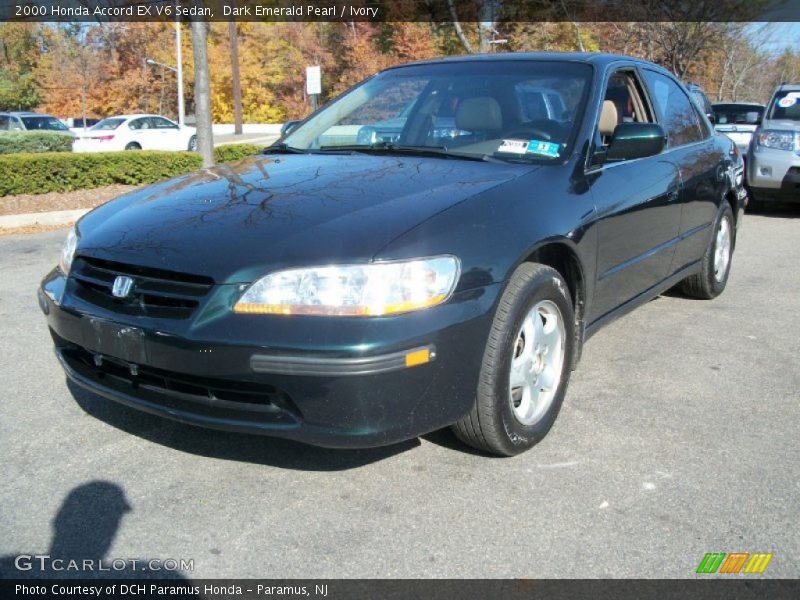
<point>788,87</point>
<point>738,104</point>
<point>600,59</point>
<point>25,113</point>
<point>134,116</point>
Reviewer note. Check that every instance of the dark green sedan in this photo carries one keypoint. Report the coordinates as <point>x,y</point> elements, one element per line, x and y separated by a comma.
<point>357,284</point>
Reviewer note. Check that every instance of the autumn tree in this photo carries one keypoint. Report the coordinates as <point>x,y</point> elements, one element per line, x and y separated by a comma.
<point>19,55</point>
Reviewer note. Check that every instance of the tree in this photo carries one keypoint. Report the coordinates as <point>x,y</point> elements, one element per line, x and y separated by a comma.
<point>19,53</point>
<point>202,92</point>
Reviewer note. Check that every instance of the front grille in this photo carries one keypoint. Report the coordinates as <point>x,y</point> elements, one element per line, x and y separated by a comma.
<point>168,388</point>
<point>156,292</point>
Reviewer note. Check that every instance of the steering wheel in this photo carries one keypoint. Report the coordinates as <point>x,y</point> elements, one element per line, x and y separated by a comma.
<point>543,129</point>
<point>527,133</point>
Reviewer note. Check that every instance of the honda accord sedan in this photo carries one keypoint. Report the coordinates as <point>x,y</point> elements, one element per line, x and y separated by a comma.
<point>359,290</point>
<point>136,132</point>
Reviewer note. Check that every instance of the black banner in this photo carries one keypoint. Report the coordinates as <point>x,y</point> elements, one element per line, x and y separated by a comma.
<point>496,11</point>
<point>736,588</point>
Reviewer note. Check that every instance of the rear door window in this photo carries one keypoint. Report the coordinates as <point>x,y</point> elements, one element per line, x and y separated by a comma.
<point>675,110</point>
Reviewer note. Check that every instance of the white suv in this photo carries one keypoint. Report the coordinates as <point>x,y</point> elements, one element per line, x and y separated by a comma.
<point>773,159</point>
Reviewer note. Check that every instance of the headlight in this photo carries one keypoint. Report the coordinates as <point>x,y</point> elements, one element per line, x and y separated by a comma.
<point>372,289</point>
<point>781,140</point>
<point>68,252</point>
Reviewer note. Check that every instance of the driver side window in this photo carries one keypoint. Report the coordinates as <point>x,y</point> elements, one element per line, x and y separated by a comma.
<point>623,102</point>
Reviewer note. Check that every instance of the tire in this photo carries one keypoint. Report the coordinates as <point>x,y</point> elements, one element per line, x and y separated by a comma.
<point>712,279</point>
<point>132,146</point>
<point>192,144</point>
<point>495,423</point>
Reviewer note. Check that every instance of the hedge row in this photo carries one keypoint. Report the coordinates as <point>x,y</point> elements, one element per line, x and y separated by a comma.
<point>230,152</point>
<point>65,172</point>
<point>34,141</point>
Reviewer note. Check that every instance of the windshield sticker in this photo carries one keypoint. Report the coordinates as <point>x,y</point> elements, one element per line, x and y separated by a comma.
<point>545,148</point>
<point>789,99</point>
<point>513,146</point>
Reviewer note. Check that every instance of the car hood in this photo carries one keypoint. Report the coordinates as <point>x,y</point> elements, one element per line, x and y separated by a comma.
<point>237,221</point>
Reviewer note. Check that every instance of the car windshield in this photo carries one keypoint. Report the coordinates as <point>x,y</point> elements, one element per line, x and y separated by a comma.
<point>740,114</point>
<point>506,110</point>
<point>785,106</point>
<point>50,123</point>
<point>109,124</point>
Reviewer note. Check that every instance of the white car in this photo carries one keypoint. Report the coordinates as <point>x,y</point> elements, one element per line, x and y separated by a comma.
<point>136,132</point>
<point>738,120</point>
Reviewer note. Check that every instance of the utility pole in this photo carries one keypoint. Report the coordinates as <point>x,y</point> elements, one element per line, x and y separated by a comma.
<point>237,88</point>
<point>202,92</point>
<point>179,72</point>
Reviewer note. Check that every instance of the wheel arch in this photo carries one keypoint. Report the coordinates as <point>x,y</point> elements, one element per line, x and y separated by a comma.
<point>561,256</point>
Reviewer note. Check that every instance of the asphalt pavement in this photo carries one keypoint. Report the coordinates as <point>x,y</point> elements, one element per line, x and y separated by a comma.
<point>678,437</point>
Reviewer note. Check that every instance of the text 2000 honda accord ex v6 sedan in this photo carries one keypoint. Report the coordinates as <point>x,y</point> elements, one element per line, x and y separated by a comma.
<point>431,248</point>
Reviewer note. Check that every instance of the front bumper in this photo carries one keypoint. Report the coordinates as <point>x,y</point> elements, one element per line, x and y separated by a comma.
<point>336,382</point>
<point>774,175</point>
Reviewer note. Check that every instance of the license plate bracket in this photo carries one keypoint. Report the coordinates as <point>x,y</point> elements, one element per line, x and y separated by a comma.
<point>114,339</point>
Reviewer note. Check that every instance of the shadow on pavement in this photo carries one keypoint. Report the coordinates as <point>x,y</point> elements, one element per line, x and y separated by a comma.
<point>83,532</point>
<point>447,439</point>
<point>264,450</point>
<point>782,210</point>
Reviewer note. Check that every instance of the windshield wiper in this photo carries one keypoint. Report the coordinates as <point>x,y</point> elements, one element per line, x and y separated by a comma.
<point>390,148</point>
<point>284,148</point>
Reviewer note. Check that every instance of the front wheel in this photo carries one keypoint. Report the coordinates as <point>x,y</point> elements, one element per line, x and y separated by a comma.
<point>526,364</point>
<point>716,262</point>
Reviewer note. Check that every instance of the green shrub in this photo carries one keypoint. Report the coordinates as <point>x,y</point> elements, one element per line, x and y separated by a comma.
<point>65,172</point>
<point>230,152</point>
<point>38,173</point>
<point>34,141</point>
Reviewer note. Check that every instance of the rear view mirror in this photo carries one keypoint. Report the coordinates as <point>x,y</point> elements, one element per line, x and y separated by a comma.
<point>367,136</point>
<point>636,140</point>
<point>287,127</point>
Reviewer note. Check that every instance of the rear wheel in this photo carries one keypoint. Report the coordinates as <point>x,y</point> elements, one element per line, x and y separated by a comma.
<point>712,279</point>
<point>526,364</point>
<point>193,144</point>
<point>132,146</point>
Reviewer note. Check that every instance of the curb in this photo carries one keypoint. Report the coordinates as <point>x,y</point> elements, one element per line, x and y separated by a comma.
<point>57,217</point>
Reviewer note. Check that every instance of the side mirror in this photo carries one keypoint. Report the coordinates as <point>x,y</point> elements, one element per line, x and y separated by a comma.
<point>636,140</point>
<point>287,127</point>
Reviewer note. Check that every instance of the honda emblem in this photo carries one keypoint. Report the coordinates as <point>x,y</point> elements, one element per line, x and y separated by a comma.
<point>122,286</point>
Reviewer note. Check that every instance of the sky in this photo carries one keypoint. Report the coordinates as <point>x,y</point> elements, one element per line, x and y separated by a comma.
<point>782,35</point>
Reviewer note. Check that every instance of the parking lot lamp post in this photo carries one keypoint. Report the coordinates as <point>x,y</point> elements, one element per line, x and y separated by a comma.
<point>179,72</point>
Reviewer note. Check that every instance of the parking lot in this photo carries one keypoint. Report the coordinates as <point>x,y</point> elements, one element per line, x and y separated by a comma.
<point>678,437</point>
